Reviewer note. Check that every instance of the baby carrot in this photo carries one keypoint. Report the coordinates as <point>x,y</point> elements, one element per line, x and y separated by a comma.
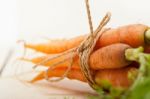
<point>134,35</point>
<point>111,56</point>
<point>116,77</point>
<point>56,46</point>
<point>53,61</point>
<point>58,72</point>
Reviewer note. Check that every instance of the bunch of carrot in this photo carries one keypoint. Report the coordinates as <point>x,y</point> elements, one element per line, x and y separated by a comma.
<point>108,61</point>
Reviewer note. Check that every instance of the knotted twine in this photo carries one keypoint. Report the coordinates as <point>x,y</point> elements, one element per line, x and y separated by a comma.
<point>87,46</point>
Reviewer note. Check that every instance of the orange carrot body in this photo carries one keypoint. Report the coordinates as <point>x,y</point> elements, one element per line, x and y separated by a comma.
<point>108,57</point>
<point>56,46</point>
<point>117,77</point>
<point>58,72</point>
<point>130,34</point>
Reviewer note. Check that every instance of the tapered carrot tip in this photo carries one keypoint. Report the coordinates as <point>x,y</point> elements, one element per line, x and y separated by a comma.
<point>38,77</point>
<point>64,64</point>
<point>24,59</point>
<point>40,59</point>
<point>33,60</point>
<point>28,60</point>
<point>59,72</point>
<point>56,46</point>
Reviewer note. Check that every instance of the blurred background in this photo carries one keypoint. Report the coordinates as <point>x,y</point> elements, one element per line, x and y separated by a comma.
<point>36,19</point>
<point>61,18</point>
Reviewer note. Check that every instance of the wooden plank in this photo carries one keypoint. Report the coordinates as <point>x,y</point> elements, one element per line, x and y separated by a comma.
<point>12,88</point>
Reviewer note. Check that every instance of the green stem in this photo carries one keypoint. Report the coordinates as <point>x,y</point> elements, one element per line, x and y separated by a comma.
<point>137,54</point>
<point>133,54</point>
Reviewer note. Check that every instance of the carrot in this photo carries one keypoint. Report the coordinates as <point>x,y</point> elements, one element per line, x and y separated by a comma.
<point>58,72</point>
<point>51,62</point>
<point>56,46</point>
<point>116,77</point>
<point>108,57</point>
<point>112,56</point>
<point>132,35</point>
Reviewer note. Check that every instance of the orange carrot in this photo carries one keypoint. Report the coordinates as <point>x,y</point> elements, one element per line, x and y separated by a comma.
<point>116,77</point>
<point>111,56</point>
<point>58,72</point>
<point>132,35</point>
<point>56,46</point>
<point>53,61</point>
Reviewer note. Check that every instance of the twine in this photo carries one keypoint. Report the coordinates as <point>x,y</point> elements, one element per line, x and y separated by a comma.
<point>87,47</point>
<point>83,50</point>
<point>89,16</point>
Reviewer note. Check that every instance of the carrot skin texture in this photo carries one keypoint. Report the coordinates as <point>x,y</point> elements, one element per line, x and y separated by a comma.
<point>56,46</point>
<point>109,57</point>
<point>132,35</point>
<point>58,72</point>
<point>116,77</point>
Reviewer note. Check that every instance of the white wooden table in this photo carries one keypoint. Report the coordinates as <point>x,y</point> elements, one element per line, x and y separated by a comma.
<point>13,84</point>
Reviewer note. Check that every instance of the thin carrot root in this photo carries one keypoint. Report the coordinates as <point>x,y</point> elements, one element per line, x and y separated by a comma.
<point>134,35</point>
<point>56,46</point>
<point>66,63</point>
